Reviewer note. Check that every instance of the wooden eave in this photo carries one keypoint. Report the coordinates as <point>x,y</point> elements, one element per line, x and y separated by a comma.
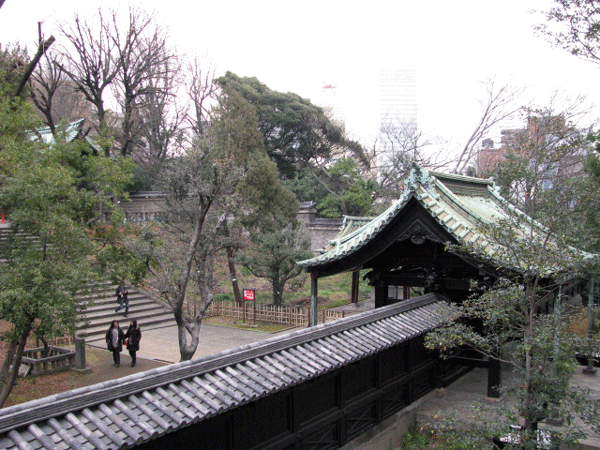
<point>413,223</point>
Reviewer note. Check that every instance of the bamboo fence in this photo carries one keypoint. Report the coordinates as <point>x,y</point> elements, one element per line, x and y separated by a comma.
<point>290,315</point>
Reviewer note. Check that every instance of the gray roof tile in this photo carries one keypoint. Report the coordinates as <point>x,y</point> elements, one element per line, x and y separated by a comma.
<point>134,409</point>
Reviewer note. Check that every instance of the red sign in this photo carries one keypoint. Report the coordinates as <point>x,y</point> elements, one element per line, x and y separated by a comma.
<point>249,295</point>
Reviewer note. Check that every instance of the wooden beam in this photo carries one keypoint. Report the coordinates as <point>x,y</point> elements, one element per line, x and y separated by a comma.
<point>355,281</point>
<point>314,297</point>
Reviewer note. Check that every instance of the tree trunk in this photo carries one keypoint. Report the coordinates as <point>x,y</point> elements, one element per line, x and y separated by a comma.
<point>529,421</point>
<point>277,291</point>
<point>234,282</point>
<point>8,359</point>
<point>42,47</point>
<point>187,350</point>
<point>12,365</point>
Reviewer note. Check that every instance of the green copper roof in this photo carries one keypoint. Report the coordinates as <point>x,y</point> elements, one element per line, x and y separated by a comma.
<point>459,204</point>
<point>72,132</point>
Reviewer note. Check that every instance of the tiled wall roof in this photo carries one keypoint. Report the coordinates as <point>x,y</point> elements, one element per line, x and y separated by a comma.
<point>138,408</point>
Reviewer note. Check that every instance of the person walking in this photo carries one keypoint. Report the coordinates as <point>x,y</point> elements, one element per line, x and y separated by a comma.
<point>133,336</point>
<point>114,341</point>
<point>122,299</point>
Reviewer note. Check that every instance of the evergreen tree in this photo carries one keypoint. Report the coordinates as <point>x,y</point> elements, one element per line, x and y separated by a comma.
<point>52,196</point>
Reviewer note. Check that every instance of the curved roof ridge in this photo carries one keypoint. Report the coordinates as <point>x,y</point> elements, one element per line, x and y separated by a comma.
<point>457,177</point>
<point>417,178</point>
<point>361,236</point>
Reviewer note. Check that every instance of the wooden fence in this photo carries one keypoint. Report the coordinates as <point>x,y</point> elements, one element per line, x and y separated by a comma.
<point>294,316</point>
<point>290,315</point>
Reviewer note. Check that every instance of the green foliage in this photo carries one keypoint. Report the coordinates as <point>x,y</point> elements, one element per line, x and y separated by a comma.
<point>590,204</point>
<point>224,298</point>
<point>416,439</point>
<point>504,323</point>
<point>532,245</point>
<point>350,193</point>
<point>53,195</point>
<point>274,252</point>
<point>295,131</point>
<point>428,438</point>
<point>13,62</point>
<point>574,25</point>
<point>223,179</point>
<point>306,187</point>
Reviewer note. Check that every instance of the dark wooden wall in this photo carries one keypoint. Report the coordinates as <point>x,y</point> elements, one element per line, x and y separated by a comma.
<point>326,412</point>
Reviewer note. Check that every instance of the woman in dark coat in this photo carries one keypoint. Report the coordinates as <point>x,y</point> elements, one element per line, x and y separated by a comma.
<point>133,338</point>
<point>114,341</point>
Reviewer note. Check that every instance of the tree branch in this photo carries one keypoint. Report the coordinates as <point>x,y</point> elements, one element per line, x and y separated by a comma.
<point>42,48</point>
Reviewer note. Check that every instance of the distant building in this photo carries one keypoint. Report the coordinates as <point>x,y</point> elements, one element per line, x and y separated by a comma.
<point>330,101</point>
<point>398,96</point>
<point>397,109</point>
<point>539,134</point>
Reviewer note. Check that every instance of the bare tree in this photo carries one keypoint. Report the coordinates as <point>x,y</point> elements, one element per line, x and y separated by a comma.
<point>90,64</point>
<point>201,190</point>
<point>201,90</point>
<point>500,103</point>
<point>45,83</point>
<point>147,68</point>
<point>54,94</point>
<point>129,64</point>
<point>398,146</point>
<point>43,46</point>
<point>161,123</point>
<point>544,158</point>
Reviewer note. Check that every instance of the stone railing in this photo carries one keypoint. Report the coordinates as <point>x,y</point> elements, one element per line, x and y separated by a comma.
<point>146,206</point>
<point>57,360</point>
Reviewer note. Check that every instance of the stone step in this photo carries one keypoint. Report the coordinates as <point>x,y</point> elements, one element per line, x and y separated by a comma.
<point>145,307</point>
<point>96,332</point>
<point>109,303</point>
<point>97,311</point>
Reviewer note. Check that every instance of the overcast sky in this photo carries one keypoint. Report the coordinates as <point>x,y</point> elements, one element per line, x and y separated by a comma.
<point>299,46</point>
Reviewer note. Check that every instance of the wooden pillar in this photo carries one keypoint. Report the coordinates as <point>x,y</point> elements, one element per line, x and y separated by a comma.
<point>355,281</point>
<point>494,378</point>
<point>381,291</point>
<point>314,296</point>
<point>589,370</point>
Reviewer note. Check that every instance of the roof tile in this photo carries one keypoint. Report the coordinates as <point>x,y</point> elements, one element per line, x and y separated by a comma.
<point>160,401</point>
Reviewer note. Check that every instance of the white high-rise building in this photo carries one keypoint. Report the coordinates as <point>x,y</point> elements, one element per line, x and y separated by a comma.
<point>398,96</point>
<point>397,111</point>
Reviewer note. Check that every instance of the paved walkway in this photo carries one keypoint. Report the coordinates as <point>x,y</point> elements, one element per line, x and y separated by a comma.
<point>162,344</point>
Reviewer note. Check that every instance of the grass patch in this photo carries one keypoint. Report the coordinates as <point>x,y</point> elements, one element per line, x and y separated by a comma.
<point>427,439</point>
<point>333,291</point>
<point>266,327</point>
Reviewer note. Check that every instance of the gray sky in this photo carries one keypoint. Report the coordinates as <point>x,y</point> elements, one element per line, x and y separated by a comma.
<point>299,46</point>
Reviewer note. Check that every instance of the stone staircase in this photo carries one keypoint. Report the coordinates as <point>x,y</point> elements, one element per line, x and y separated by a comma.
<point>97,305</point>
<point>97,311</point>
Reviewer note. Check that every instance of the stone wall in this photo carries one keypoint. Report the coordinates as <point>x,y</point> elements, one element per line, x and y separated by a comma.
<point>144,206</point>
